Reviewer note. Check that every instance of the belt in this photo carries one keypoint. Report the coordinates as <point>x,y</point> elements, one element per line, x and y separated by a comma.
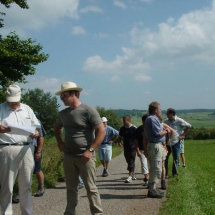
<point>15,144</point>
<point>105,143</point>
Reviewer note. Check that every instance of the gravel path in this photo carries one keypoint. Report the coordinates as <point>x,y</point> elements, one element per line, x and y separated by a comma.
<point>118,198</point>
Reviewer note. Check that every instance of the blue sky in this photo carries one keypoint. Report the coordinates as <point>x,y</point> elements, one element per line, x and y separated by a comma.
<point>123,53</point>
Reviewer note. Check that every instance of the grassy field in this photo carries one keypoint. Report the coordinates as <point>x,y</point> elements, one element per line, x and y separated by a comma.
<point>193,191</point>
<point>197,120</point>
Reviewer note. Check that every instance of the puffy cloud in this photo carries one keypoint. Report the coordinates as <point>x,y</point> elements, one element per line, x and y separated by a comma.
<point>119,4</point>
<point>78,30</point>
<point>51,85</point>
<point>40,14</point>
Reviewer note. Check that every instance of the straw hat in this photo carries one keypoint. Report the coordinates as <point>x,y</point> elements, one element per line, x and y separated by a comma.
<point>67,86</point>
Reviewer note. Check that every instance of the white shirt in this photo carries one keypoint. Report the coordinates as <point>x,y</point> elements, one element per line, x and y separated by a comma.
<point>177,124</point>
<point>24,115</point>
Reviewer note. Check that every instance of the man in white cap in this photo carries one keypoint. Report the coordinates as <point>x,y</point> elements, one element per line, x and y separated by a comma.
<point>16,151</point>
<point>105,149</point>
<point>79,122</point>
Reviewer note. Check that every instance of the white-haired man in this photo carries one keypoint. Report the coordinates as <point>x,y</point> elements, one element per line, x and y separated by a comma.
<point>16,151</point>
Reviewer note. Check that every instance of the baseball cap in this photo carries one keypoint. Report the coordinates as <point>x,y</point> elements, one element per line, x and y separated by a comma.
<point>13,93</point>
<point>104,119</point>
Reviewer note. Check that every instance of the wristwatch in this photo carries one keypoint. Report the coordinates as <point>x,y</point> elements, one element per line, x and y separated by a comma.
<point>91,149</point>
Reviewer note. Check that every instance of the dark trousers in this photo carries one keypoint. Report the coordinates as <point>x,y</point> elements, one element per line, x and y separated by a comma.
<point>130,155</point>
<point>167,158</point>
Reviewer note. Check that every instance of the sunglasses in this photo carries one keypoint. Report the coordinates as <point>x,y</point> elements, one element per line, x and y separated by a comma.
<point>62,96</point>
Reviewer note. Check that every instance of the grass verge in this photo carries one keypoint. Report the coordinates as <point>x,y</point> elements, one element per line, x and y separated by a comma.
<point>193,191</point>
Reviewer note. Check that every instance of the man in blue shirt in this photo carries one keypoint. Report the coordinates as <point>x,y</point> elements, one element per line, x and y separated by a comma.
<point>153,148</point>
<point>105,149</point>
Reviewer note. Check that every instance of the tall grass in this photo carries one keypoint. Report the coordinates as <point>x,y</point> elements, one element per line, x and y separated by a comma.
<point>193,191</point>
<point>52,163</point>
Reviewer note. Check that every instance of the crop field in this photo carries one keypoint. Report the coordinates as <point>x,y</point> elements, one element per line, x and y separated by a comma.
<point>197,120</point>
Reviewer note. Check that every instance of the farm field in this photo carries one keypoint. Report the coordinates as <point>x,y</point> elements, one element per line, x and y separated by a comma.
<point>193,191</point>
<point>197,120</point>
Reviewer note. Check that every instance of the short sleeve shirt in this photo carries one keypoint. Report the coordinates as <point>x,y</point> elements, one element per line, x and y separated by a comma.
<point>152,129</point>
<point>128,135</point>
<point>139,136</point>
<point>79,126</point>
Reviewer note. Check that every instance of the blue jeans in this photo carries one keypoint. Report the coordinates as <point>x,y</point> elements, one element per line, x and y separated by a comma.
<point>175,154</point>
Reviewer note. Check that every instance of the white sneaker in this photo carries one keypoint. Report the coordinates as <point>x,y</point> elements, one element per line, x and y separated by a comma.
<point>134,176</point>
<point>128,180</point>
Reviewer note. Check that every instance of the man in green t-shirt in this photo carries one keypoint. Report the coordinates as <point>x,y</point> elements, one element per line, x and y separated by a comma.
<point>80,122</point>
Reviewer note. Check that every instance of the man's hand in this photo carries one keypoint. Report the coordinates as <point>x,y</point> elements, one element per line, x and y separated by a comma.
<point>37,156</point>
<point>35,134</point>
<point>4,129</point>
<point>61,146</point>
<point>181,137</point>
<point>86,156</point>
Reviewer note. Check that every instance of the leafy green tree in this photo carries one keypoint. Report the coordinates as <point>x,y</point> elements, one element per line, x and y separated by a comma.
<point>113,120</point>
<point>17,59</point>
<point>44,105</point>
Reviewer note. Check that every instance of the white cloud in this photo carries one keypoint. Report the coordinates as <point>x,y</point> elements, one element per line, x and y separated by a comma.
<point>91,8</point>
<point>102,35</point>
<point>146,93</point>
<point>51,85</point>
<point>41,13</point>
<point>119,4</point>
<point>176,42</point>
<point>86,92</point>
<point>142,78</point>
<point>115,78</point>
<point>78,30</point>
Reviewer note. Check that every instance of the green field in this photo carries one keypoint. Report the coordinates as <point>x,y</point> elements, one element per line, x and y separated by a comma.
<point>197,120</point>
<point>193,191</point>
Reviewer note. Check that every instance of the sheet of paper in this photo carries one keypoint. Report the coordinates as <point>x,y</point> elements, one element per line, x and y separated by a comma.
<point>22,129</point>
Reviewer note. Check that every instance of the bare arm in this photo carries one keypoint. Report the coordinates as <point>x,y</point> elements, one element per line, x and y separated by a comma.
<point>172,131</point>
<point>137,148</point>
<point>182,136</point>
<point>145,145</point>
<point>100,135</point>
<point>58,136</point>
<point>40,141</point>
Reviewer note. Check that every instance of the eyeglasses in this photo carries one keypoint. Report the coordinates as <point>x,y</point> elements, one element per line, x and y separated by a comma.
<point>62,96</point>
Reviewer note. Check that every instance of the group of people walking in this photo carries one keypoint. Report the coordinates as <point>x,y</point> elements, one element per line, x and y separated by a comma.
<point>85,131</point>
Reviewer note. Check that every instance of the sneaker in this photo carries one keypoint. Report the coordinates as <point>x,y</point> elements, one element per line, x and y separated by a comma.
<point>184,165</point>
<point>40,192</point>
<point>15,200</point>
<point>163,184</point>
<point>154,194</point>
<point>160,192</point>
<point>128,180</point>
<point>134,176</point>
<point>146,182</point>
<point>105,173</point>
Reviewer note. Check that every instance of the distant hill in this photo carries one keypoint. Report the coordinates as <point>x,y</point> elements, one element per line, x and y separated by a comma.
<point>139,113</point>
